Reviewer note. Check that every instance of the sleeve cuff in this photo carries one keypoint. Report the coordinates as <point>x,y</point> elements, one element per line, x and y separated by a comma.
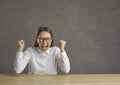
<point>19,54</point>
<point>64,54</point>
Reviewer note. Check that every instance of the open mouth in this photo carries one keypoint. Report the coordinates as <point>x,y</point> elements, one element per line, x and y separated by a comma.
<point>44,46</point>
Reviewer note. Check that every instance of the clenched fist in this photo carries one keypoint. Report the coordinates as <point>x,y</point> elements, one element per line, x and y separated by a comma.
<point>21,45</point>
<point>62,45</point>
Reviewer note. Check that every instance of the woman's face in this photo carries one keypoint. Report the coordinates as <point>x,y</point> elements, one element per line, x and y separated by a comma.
<point>44,41</point>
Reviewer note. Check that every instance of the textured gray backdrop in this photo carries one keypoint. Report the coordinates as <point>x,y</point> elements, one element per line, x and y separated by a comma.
<point>90,27</point>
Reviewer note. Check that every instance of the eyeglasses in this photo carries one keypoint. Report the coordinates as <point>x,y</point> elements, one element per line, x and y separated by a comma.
<point>45,39</point>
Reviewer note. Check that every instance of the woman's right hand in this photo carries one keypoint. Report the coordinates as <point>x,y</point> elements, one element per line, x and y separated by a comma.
<point>21,45</point>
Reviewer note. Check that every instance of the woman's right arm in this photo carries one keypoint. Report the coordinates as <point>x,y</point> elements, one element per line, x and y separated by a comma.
<point>21,58</point>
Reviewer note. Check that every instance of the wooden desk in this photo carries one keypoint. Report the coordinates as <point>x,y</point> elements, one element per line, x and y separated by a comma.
<point>69,79</point>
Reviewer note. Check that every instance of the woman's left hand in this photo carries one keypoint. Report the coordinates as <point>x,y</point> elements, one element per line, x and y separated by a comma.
<point>62,45</point>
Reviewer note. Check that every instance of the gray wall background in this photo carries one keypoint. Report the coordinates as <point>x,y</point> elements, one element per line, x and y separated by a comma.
<point>90,27</point>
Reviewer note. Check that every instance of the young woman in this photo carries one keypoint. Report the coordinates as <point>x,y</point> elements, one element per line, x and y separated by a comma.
<point>43,58</point>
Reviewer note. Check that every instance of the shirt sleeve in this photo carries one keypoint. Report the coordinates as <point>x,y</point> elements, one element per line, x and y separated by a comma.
<point>21,60</point>
<point>63,61</point>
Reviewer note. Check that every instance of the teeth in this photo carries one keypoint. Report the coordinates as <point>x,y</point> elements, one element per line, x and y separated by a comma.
<point>44,46</point>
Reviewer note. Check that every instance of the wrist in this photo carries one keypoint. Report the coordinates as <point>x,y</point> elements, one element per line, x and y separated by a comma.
<point>20,50</point>
<point>62,50</point>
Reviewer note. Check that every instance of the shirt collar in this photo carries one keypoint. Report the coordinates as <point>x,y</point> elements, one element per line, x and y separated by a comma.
<point>40,51</point>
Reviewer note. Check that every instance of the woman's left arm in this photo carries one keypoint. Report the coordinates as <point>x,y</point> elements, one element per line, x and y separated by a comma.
<point>62,58</point>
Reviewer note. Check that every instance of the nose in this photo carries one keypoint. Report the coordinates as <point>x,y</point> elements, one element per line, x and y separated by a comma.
<point>44,41</point>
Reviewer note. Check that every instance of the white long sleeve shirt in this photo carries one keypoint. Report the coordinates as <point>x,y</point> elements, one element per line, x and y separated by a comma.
<point>42,62</point>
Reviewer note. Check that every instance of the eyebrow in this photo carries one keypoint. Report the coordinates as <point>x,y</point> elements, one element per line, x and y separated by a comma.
<point>44,37</point>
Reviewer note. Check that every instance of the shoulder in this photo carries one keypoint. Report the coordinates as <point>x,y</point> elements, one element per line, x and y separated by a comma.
<point>55,49</point>
<point>31,49</point>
